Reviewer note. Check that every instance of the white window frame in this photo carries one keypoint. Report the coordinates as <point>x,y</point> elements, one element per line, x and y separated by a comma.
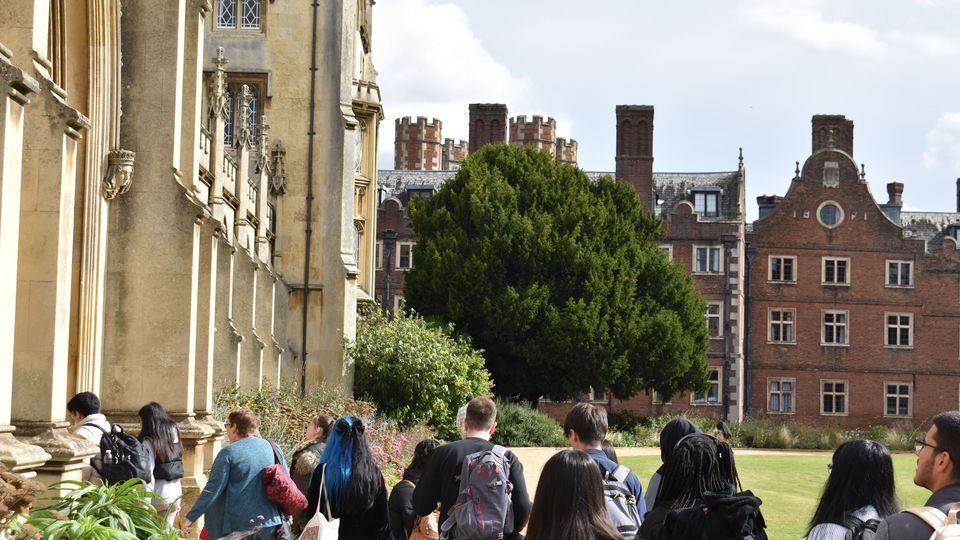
<point>780,393</point>
<point>238,13</point>
<point>772,259</point>
<point>704,208</point>
<point>400,246</point>
<point>397,300</point>
<point>718,316</point>
<point>708,247</point>
<point>898,326</point>
<point>834,282</point>
<point>593,396</point>
<point>898,396</point>
<point>792,323</point>
<point>705,400</point>
<point>845,325</point>
<point>667,249</point>
<point>833,392</point>
<point>900,265</point>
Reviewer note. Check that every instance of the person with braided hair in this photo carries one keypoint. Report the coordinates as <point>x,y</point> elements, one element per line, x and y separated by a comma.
<point>699,496</point>
<point>349,483</point>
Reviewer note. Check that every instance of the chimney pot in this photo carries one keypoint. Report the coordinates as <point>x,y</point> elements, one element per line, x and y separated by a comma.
<point>894,192</point>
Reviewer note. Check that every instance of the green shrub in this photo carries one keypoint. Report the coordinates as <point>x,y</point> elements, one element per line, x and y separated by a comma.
<point>519,425</point>
<point>108,512</point>
<point>416,372</point>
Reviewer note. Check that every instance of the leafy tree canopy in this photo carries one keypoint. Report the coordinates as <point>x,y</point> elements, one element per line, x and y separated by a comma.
<point>559,280</point>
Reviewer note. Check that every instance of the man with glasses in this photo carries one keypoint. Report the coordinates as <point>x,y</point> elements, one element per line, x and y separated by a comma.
<point>938,469</point>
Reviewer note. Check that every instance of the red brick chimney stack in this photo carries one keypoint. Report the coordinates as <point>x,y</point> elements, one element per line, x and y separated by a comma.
<point>488,124</point>
<point>832,131</point>
<point>635,150</point>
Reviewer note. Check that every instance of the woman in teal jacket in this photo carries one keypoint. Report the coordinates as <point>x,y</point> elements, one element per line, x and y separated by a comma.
<point>234,498</point>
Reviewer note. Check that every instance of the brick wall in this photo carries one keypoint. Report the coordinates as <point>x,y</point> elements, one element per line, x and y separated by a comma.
<point>417,144</point>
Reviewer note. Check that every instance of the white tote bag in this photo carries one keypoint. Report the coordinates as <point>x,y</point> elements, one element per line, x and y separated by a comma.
<point>322,526</point>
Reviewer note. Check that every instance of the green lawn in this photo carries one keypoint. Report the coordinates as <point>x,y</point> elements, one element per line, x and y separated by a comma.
<point>790,485</point>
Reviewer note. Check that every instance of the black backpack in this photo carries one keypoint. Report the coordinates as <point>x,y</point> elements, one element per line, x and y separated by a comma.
<point>122,457</point>
<point>858,529</point>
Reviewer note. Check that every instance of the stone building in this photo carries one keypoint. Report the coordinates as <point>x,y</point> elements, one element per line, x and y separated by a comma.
<point>169,243</point>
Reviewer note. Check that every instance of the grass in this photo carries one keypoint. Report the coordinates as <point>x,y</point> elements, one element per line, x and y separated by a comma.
<point>790,485</point>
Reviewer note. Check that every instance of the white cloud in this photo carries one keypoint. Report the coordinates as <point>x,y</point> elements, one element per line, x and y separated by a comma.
<point>432,64</point>
<point>943,144</point>
<point>808,26</point>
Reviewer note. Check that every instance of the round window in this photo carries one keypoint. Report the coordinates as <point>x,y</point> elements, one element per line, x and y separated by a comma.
<point>830,214</point>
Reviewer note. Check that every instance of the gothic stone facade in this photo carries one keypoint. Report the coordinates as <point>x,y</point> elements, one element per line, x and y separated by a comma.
<point>167,244</point>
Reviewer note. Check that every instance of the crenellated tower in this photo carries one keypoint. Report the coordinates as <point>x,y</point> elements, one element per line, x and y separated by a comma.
<point>417,145</point>
<point>567,151</point>
<point>540,133</point>
<point>454,152</point>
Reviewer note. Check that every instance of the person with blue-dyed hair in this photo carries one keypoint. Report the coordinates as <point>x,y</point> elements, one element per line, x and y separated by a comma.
<point>350,485</point>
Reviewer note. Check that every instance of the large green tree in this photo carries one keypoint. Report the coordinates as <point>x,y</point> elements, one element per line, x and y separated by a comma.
<point>559,279</point>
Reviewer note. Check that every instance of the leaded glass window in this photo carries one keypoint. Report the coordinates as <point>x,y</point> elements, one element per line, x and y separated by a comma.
<point>227,14</point>
<point>250,15</point>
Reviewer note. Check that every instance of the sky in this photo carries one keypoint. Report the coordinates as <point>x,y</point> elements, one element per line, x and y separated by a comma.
<point>721,75</point>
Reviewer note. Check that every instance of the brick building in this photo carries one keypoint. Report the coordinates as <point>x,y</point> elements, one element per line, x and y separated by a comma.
<point>850,308</point>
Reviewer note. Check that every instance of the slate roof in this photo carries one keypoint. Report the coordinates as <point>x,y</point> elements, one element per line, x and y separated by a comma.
<point>670,187</point>
<point>928,226</point>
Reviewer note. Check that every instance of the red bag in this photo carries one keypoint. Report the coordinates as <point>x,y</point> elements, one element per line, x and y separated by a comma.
<point>281,490</point>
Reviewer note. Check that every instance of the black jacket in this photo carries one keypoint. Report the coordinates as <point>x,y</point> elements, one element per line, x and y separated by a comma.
<point>402,514</point>
<point>720,516</point>
<point>371,524</point>
<point>906,526</point>
<point>440,483</point>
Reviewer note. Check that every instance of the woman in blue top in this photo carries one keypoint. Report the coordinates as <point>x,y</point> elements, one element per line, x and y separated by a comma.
<point>352,486</point>
<point>234,498</point>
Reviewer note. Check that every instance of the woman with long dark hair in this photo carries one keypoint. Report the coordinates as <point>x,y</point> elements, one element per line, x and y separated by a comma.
<point>569,502</point>
<point>670,435</point>
<point>402,515</point>
<point>699,498</point>
<point>350,484</point>
<point>161,440</point>
<point>860,488</point>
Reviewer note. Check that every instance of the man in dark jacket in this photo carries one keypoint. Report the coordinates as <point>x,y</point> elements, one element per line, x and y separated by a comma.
<point>938,469</point>
<point>441,483</point>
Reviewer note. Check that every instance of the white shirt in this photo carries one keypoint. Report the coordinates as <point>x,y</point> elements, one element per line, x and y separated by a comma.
<point>833,531</point>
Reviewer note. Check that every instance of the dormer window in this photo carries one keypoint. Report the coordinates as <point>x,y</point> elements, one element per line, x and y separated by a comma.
<point>706,203</point>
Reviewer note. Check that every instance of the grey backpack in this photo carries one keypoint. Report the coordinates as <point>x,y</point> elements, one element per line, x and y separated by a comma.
<point>621,504</point>
<point>484,504</point>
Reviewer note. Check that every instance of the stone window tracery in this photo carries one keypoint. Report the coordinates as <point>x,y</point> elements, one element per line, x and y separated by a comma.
<point>239,14</point>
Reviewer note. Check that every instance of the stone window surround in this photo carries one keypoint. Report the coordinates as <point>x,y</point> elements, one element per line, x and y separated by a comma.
<point>897,325</point>
<point>845,325</point>
<point>400,246</point>
<point>845,395</point>
<point>901,265</point>
<point>238,7</point>
<point>708,248</point>
<point>833,278</point>
<point>780,392</point>
<point>666,249</point>
<point>772,259</point>
<point>792,323</point>
<point>898,396</point>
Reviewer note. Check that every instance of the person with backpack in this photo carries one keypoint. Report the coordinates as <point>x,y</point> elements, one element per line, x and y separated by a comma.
<point>347,484</point>
<point>86,421</point>
<point>859,493</point>
<point>670,435</point>
<point>698,497</point>
<point>161,441</point>
<point>403,518</point>
<point>458,467</point>
<point>585,427</point>
<point>938,470</point>
<point>569,504</point>
<point>235,498</point>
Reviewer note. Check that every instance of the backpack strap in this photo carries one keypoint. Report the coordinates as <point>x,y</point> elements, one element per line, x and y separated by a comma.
<point>620,473</point>
<point>500,451</point>
<point>409,482</point>
<point>934,517</point>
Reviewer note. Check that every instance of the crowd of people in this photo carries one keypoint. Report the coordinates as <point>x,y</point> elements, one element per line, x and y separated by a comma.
<point>473,488</point>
